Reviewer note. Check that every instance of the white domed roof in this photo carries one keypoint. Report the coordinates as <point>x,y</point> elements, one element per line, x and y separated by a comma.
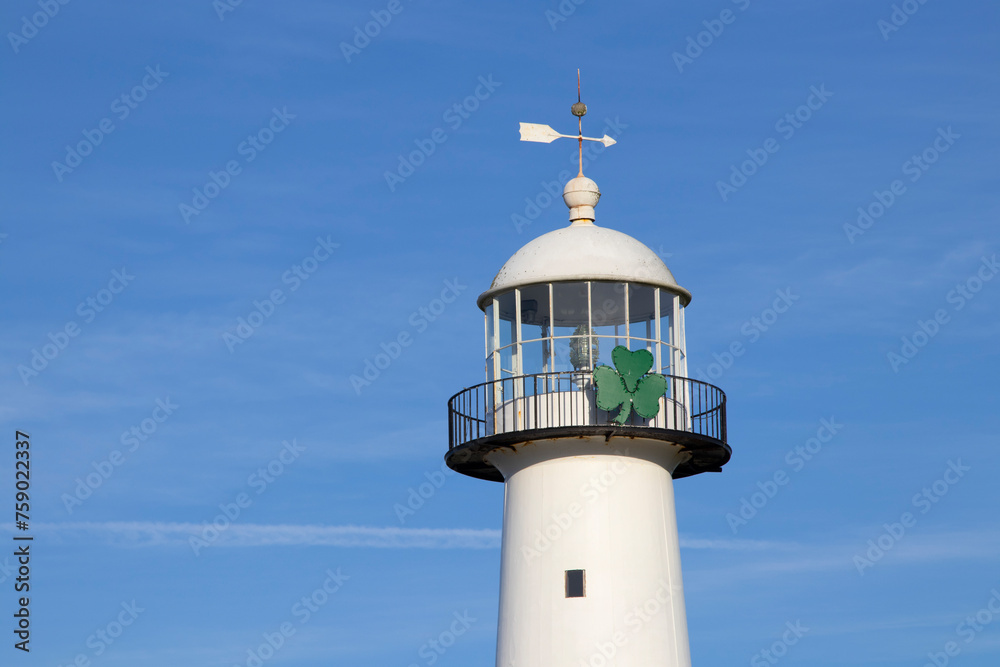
<point>584,251</point>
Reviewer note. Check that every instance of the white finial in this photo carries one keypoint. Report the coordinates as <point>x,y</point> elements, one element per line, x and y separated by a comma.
<point>581,195</point>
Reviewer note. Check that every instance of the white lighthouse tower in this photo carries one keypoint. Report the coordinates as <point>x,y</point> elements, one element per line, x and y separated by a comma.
<point>587,416</point>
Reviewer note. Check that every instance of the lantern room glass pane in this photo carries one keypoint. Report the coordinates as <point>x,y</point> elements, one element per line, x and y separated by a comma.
<point>603,345</point>
<point>506,306</point>
<point>642,311</point>
<point>534,311</point>
<point>667,333</point>
<point>643,344</point>
<point>681,340</point>
<point>507,323</point>
<point>535,321</point>
<point>571,327</point>
<point>535,326</point>
<point>666,357</point>
<point>534,357</point>
<point>560,355</point>
<point>569,308</point>
<point>608,306</point>
<point>506,361</point>
<point>608,317</point>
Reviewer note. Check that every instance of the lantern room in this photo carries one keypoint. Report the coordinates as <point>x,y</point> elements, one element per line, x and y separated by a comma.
<point>567,299</point>
<point>570,302</point>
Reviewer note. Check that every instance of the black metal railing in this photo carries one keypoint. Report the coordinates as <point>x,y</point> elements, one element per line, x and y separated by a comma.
<point>552,400</point>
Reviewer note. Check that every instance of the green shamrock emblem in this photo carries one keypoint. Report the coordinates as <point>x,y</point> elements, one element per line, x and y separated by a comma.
<point>629,387</point>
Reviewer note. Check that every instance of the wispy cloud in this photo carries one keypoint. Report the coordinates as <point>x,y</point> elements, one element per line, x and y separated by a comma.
<point>152,533</point>
<point>773,556</point>
<point>837,556</point>
<point>149,534</point>
<point>731,544</point>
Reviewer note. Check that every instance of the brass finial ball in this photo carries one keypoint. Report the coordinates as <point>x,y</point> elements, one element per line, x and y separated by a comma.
<point>579,109</point>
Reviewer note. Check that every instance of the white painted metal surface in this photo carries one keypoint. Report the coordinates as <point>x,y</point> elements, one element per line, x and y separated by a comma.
<point>608,509</point>
<point>584,252</point>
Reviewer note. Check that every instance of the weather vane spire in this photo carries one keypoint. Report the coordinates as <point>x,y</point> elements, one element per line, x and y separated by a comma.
<point>546,135</point>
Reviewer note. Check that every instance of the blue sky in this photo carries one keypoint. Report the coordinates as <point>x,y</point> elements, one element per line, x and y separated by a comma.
<point>309,216</point>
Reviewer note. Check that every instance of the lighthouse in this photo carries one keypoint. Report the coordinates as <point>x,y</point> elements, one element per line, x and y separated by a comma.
<point>587,417</point>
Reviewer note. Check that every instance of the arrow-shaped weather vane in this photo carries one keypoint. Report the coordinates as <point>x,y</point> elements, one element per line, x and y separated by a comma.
<point>546,135</point>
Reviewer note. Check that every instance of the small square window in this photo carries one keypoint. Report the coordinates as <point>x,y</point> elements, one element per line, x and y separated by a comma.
<point>576,584</point>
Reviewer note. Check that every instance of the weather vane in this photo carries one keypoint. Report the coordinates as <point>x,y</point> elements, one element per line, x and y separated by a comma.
<point>546,135</point>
